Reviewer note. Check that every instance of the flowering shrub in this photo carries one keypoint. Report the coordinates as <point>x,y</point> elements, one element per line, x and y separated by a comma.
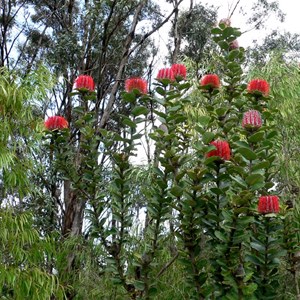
<point>210,205</point>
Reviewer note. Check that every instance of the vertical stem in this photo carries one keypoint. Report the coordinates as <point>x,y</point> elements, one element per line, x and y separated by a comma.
<point>265,272</point>
<point>218,196</point>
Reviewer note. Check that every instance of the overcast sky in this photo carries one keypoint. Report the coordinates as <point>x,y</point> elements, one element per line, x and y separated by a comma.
<point>290,7</point>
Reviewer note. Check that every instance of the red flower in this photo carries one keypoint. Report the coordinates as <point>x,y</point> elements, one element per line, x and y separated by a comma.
<point>222,150</point>
<point>136,83</point>
<point>252,119</point>
<point>166,73</point>
<point>258,85</point>
<point>268,204</point>
<point>211,80</point>
<point>56,123</point>
<point>84,83</point>
<point>179,71</point>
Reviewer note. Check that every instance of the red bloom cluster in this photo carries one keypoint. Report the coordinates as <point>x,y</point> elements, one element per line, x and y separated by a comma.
<point>222,150</point>
<point>211,80</point>
<point>268,204</point>
<point>258,85</point>
<point>136,83</point>
<point>166,73</point>
<point>56,123</point>
<point>179,71</point>
<point>84,83</point>
<point>252,119</point>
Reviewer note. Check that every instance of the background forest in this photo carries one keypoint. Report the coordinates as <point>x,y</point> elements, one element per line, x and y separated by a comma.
<point>127,176</point>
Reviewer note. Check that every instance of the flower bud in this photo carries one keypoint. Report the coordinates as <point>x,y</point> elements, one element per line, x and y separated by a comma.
<point>252,120</point>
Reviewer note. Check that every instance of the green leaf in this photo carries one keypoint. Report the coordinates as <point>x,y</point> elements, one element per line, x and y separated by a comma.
<point>245,220</point>
<point>204,120</point>
<point>272,134</point>
<point>207,137</point>
<point>254,179</point>
<point>183,86</point>
<point>247,153</point>
<point>216,31</point>
<point>139,110</point>
<point>220,236</point>
<point>259,247</point>
<point>253,259</point>
<point>161,91</point>
<point>239,181</point>
<point>260,165</point>
<point>223,45</point>
<point>211,159</point>
<point>217,191</point>
<point>221,111</point>
<point>128,122</point>
<point>248,290</point>
<point>191,174</point>
<point>139,285</point>
<point>176,190</point>
<point>233,54</point>
<point>257,137</point>
<point>257,186</point>
<point>227,32</point>
<point>129,97</point>
<point>153,291</point>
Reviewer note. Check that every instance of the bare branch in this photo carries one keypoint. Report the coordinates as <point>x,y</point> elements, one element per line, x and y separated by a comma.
<point>156,28</point>
<point>237,3</point>
<point>166,266</point>
<point>123,62</point>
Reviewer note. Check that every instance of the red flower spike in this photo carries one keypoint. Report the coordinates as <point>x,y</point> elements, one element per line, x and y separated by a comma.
<point>268,204</point>
<point>56,123</point>
<point>166,73</point>
<point>179,71</point>
<point>222,150</point>
<point>258,85</point>
<point>84,83</point>
<point>137,83</point>
<point>252,120</point>
<point>211,80</point>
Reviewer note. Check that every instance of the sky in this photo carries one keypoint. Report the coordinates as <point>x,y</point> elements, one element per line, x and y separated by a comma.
<point>290,7</point>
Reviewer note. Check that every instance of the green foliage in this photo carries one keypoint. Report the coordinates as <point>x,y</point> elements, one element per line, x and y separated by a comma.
<point>19,126</point>
<point>23,260</point>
